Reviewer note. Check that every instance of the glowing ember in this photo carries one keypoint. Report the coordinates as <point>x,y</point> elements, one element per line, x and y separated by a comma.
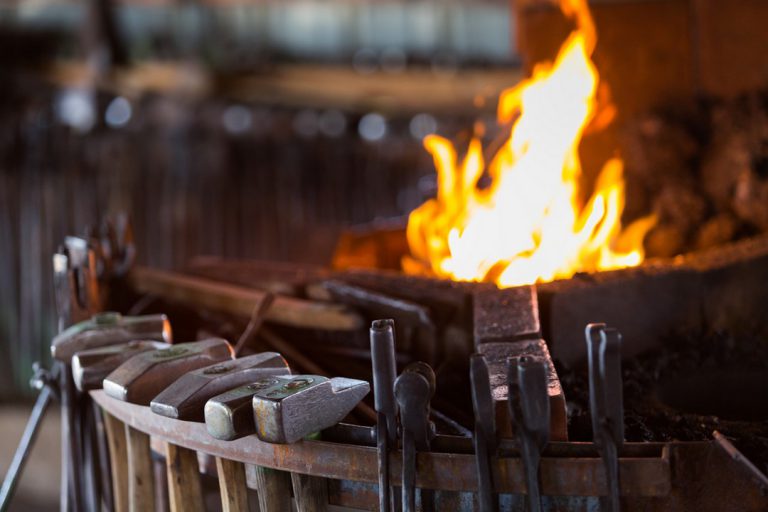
<point>529,225</point>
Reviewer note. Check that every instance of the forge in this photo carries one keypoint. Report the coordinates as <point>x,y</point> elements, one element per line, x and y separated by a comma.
<point>392,276</point>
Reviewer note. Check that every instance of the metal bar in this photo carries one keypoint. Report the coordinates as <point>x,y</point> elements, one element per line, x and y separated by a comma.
<point>257,318</point>
<point>16,468</point>
<point>563,473</point>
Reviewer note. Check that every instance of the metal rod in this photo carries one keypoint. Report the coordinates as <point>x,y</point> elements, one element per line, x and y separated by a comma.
<point>16,468</point>
<point>257,318</point>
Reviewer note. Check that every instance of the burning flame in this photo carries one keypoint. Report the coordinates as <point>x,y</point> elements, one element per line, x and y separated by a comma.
<point>528,225</point>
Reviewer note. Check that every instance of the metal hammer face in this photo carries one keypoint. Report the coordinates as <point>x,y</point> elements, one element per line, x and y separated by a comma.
<point>229,416</point>
<point>142,377</point>
<point>297,406</point>
<point>109,328</point>
<point>90,367</point>
<point>186,397</point>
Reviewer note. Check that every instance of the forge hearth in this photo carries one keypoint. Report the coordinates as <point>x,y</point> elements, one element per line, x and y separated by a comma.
<point>694,352</point>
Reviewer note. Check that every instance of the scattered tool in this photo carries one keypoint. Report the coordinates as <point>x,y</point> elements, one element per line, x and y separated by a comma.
<point>529,410</point>
<point>484,437</point>
<point>409,314</point>
<point>185,399</point>
<point>606,402</point>
<point>90,367</point>
<point>142,377</point>
<point>76,284</point>
<point>300,405</point>
<point>109,328</point>
<point>414,389</point>
<point>113,242</point>
<point>384,373</point>
<point>229,416</point>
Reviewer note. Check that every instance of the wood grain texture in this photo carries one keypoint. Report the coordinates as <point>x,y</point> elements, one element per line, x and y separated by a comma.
<point>141,486</point>
<point>272,486</point>
<point>118,461</point>
<point>311,492</point>
<point>238,300</point>
<point>233,489</point>
<point>184,491</point>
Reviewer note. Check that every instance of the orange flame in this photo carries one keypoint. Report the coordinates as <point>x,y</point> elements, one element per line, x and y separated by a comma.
<point>528,226</point>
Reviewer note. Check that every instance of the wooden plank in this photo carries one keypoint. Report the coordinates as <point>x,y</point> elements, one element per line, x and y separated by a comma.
<point>184,491</point>
<point>233,489</point>
<point>311,492</point>
<point>273,487</point>
<point>141,486</point>
<point>118,461</point>
<point>237,300</point>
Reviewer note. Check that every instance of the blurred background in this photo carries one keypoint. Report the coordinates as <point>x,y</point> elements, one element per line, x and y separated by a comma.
<point>238,129</point>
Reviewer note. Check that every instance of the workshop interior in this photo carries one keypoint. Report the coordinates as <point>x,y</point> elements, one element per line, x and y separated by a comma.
<point>393,255</point>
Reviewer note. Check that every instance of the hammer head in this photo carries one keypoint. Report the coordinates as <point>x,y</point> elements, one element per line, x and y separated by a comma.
<point>297,406</point>
<point>89,367</point>
<point>229,416</point>
<point>142,377</point>
<point>109,328</point>
<point>185,398</point>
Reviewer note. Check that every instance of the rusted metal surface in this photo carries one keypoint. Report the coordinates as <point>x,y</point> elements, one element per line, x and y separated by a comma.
<point>496,355</point>
<point>299,405</point>
<point>404,312</point>
<point>142,377</point>
<point>510,314</point>
<point>749,469</point>
<point>186,397</point>
<point>240,301</point>
<point>379,304</point>
<point>297,358</point>
<point>229,415</point>
<point>109,328</point>
<point>449,301</point>
<point>580,474</point>
<point>718,290</point>
<point>90,367</point>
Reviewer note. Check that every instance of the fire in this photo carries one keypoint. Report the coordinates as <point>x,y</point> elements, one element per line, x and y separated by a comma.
<point>529,225</point>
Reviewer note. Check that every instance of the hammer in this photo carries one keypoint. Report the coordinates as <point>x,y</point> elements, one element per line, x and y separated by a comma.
<point>186,397</point>
<point>90,367</point>
<point>300,405</point>
<point>109,328</point>
<point>142,377</point>
<point>229,416</point>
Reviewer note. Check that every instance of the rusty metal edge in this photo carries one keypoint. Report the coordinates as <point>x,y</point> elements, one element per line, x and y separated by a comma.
<point>747,467</point>
<point>568,476</point>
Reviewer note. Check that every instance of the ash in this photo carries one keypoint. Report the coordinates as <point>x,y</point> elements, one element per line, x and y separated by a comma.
<point>685,390</point>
